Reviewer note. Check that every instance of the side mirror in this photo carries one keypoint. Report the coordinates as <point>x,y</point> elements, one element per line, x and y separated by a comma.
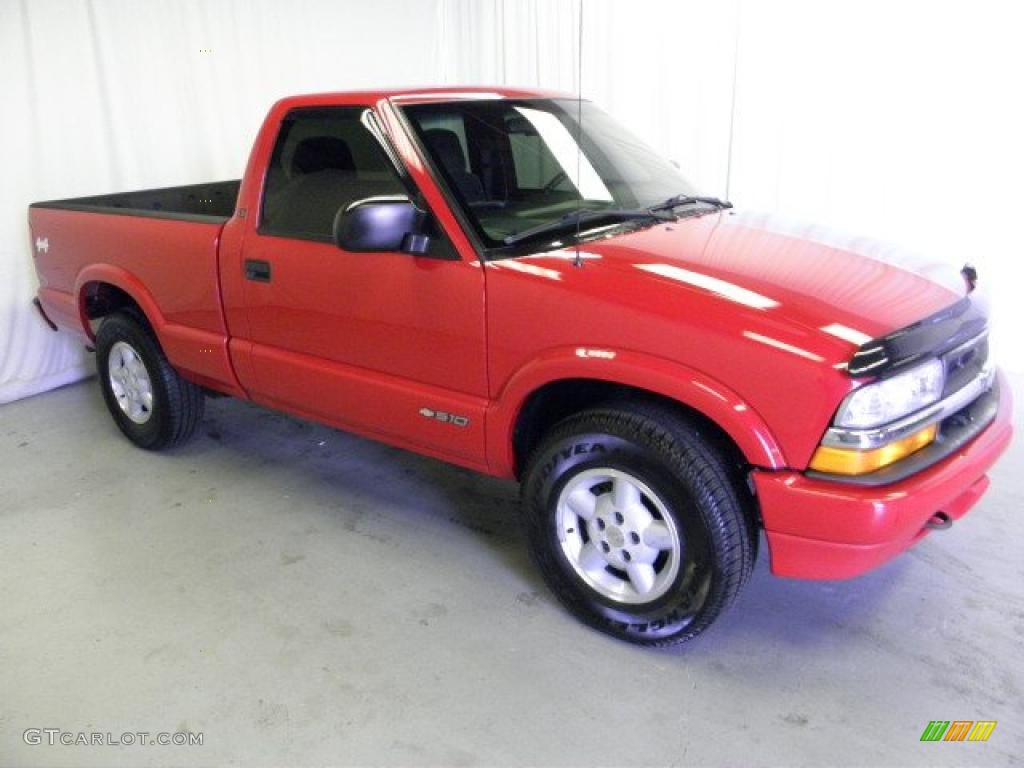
<point>381,224</point>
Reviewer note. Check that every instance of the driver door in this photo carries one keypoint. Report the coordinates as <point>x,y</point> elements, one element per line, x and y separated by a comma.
<point>387,344</point>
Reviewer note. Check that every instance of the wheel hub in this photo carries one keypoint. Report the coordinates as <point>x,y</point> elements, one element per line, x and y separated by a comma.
<point>618,536</point>
<point>130,382</point>
<point>615,537</point>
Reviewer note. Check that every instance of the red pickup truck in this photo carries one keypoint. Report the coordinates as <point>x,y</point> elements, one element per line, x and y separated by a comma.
<point>508,281</point>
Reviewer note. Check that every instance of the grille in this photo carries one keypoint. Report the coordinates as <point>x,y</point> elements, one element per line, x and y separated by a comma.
<point>964,363</point>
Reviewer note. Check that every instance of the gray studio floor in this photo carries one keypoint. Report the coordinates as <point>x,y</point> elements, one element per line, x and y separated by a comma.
<point>300,596</point>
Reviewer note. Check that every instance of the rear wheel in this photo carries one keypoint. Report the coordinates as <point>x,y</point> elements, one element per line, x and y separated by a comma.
<point>637,523</point>
<point>151,404</point>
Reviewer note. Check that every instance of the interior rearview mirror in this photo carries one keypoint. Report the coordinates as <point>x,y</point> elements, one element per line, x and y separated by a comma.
<point>382,224</point>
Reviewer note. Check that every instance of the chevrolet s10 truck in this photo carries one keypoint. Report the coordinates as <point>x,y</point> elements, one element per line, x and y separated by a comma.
<point>508,281</point>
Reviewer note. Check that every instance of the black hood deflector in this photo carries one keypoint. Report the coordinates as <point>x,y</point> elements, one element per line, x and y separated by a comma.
<point>934,336</point>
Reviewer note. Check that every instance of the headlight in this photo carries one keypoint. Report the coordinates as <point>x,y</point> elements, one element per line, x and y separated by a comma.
<point>875,405</point>
<point>889,399</point>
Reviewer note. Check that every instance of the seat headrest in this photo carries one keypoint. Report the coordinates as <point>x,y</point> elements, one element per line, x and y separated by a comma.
<point>322,153</point>
<point>446,145</point>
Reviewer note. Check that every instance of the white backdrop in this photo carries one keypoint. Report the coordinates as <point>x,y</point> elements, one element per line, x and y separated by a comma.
<point>893,119</point>
<point>108,95</point>
<point>897,119</point>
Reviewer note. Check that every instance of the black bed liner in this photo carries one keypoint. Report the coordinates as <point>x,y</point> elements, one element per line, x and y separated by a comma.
<point>213,202</point>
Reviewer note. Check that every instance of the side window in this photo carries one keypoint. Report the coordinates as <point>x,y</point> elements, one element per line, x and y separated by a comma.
<point>323,159</point>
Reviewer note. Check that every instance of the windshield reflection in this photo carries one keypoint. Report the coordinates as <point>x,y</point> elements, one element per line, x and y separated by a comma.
<point>516,165</point>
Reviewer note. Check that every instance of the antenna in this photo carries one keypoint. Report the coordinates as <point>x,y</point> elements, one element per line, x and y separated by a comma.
<point>579,132</point>
<point>732,106</point>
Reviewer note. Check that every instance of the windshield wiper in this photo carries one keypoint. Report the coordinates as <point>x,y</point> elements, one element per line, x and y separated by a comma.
<point>575,218</point>
<point>677,200</point>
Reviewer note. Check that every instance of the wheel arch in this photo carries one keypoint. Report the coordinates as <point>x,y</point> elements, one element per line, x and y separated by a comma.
<point>101,289</point>
<point>567,381</point>
<point>200,355</point>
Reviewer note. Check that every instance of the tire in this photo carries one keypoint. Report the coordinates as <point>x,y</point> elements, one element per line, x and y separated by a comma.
<point>638,524</point>
<point>151,404</point>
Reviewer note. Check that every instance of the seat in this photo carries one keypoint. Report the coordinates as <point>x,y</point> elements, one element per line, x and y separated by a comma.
<point>447,149</point>
<point>323,180</point>
<point>322,153</point>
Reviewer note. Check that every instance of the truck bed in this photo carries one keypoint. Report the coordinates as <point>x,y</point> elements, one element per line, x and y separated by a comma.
<point>210,202</point>
<point>160,247</point>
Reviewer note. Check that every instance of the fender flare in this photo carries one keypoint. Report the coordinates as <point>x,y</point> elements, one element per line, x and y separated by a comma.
<point>677,382</point>
<point>127,282</point>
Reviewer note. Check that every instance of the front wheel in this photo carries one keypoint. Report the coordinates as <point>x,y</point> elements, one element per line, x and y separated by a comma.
<point>637,523</point>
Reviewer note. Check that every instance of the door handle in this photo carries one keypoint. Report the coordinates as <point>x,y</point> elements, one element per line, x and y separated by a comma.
<point>257,270</point>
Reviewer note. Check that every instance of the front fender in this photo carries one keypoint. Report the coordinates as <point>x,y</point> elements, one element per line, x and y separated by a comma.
<point>663,377</point>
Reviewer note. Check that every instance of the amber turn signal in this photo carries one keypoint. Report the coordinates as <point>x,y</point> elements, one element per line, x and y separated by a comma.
<point>846,461</point>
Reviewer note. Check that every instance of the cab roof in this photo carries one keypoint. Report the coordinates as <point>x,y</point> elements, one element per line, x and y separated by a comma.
<point>417,95</point>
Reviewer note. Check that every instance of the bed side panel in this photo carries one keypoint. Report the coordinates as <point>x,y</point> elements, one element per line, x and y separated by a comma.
<point>168,266</point>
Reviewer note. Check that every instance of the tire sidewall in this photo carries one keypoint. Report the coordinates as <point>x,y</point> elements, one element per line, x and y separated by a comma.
<point>673,612</point>
<point>121,328</point>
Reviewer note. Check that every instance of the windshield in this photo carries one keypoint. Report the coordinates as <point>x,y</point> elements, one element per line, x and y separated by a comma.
<point>514,167</point>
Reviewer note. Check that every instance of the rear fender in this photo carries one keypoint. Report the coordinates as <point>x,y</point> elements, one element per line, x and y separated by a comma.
<point>198,355</point>
<point>127,282</point>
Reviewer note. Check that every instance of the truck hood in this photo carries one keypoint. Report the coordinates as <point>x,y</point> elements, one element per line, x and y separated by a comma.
<point>852,288</point>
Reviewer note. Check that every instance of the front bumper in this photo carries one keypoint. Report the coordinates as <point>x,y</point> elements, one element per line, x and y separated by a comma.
<point>827,529</point>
